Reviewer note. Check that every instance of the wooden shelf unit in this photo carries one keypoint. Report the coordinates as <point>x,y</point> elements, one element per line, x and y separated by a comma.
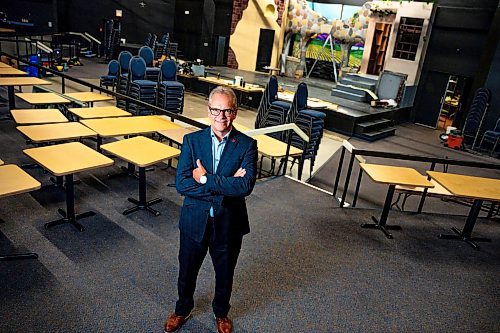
<point>379,48</point>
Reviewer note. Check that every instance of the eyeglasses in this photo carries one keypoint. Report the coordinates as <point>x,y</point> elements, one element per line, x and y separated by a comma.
<point>215,112</point>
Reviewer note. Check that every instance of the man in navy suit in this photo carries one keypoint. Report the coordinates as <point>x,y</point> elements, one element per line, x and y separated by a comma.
<point>216,171</point>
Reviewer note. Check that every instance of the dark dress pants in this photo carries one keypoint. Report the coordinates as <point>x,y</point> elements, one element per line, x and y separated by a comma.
<point>224,252</point>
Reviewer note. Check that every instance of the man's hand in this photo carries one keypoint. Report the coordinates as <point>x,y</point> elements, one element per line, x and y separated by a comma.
<point>199,171</point>
<point>240,173</point>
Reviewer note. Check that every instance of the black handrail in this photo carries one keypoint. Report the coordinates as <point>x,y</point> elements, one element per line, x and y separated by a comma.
<point>396,156</point>
<point>154,108</point>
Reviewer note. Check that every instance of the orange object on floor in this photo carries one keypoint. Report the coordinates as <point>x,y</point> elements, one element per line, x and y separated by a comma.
<point>455,141</point>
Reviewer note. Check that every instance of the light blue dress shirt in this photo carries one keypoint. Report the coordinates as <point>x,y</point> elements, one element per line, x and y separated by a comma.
<point>217,149</point>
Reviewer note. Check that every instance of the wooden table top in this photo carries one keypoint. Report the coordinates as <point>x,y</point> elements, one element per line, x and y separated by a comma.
<point>56,132</point>
<point>99,112</point>
<point>394,175</point>
<point>68,158</point>
<point>88,96</point>
<point>4,65</point>
<point>38,116</point>
<point>468,186</point>
<point>272,147</point>
<point>141,151</point>
<point>128,125</point>
<point>229,83</point>
<point>43,98</point>
<point>177,134</point>
<point>11,71</point>
<point>22,81</point>
<point>14,180</point>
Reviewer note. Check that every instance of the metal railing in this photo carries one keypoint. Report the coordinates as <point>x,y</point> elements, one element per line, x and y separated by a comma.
<point>360,155</point>
<point>157,110</point>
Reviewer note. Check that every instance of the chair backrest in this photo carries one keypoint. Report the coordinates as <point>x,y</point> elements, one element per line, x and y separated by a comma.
<point>137,69</point>
<point>299,102</point>
<point>164,38</point>
<point>113,67</point>
<point>168,70</point>
<point>497,126</point>
<point>124,60</point>
<point>270,95</point>
<point>146,53</point>
<point>474,121</point>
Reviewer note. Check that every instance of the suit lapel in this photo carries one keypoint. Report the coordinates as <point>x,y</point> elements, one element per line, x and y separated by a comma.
<point>206,152</point>
<point>231,144</point>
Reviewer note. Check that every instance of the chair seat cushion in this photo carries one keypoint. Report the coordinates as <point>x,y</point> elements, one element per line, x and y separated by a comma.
<point>145,83</point>
<point>281,104</point>
<point>313,113</point>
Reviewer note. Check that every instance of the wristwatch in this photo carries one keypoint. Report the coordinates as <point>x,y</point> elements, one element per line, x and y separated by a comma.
<point>203,179</point>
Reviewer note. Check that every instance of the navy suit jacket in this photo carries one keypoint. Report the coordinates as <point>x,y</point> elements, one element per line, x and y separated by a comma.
<point>225,193</point>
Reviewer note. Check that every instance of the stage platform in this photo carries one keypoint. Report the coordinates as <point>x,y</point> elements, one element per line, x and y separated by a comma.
<point>349,117</point>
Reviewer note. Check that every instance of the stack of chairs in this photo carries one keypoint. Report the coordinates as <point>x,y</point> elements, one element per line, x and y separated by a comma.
<point>312,122</point>
<point>150,40</point>
<point>272,112</point>
<point>170,92</point>
<point>474,122</point>
<point>492,137</point>
<point>140,88</point>
<point>161,46</point>
<point>172,50</point>
<point>121,87</point>
<point>152,72</point>
<point>110,79</point>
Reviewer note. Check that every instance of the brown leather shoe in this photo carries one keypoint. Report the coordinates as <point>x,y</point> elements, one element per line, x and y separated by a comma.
<point>174,322</point>
<point>224,325</point>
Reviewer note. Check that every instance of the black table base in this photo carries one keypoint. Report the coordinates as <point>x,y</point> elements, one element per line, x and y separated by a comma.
<point>381,224</point>
<point>68,215</point>
<point>142,204</point>
<point>466,233</point>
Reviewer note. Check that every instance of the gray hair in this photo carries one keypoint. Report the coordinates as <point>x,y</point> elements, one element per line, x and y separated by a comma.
<point>222,90</point>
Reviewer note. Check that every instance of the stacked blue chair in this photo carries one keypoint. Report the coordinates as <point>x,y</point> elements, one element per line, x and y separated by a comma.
<point>268,97</point>
<point>492,137</point>
<point>150,40</point>
<point>170,92</point>
<point>161,46</point>
<point>152,72</point>
<point>123,60</point>
<point>474,120</point>
<point>312,122</point>
<point>140,88</point>
<point>110,79</point>
<point>275,113</point>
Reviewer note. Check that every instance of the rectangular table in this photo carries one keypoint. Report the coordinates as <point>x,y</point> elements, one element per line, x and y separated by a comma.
<point>65,160</point>
<point>4,65</point>
<point>110,127</point>
<point>14,180</point>
<point>11,82</point>
<point>11,71</point>
<point>142,152</point>
<point>99,112</point>
<point>42,98</point>
<point>392,176</point>
<point>37,116</point>
<point>56,132</point>
<point>477,188</point>
<point>88,97</point>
